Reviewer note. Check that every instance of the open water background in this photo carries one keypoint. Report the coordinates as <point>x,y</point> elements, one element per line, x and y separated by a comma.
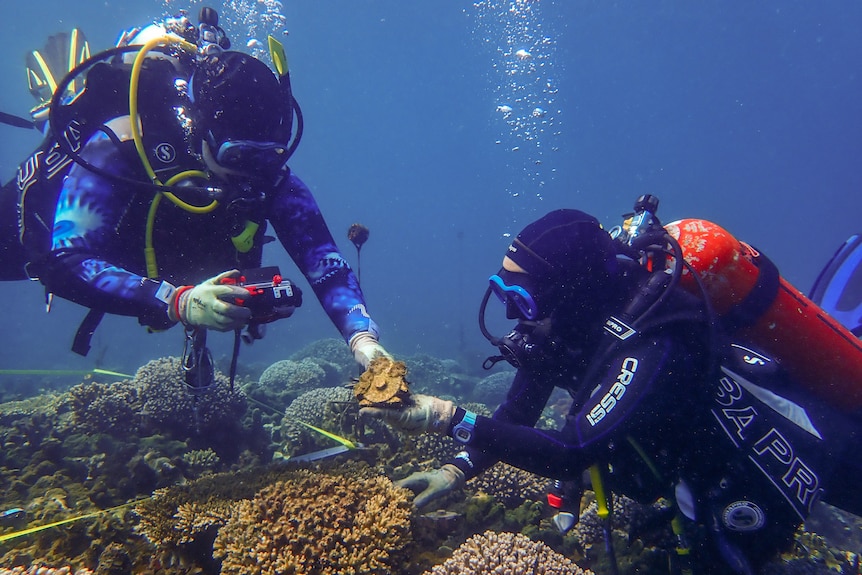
<point>745,113</point>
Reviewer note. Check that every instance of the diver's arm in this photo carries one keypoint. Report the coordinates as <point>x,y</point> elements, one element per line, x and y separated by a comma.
<point>525,400</point>
<point>564,455</point>
<point>81,266</point>
<point>299,224</point>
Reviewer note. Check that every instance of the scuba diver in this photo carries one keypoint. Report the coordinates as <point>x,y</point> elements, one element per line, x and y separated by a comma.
<point>163,160</point>
<point>669,400</point>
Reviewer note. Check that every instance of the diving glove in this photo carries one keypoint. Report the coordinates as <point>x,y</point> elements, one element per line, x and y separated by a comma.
<point>425,414</point>
<point>209,305</point>
<point>433,484</point>
<point>365,347</point>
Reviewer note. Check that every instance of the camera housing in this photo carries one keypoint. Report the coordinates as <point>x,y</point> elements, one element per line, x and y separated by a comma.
<point>270,296</point>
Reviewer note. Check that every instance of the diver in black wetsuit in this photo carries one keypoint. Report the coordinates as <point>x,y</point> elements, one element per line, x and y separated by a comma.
<point>163,161</point>
<point>667,409</point>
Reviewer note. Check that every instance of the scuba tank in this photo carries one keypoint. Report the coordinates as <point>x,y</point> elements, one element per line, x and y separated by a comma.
<point>753,301</point>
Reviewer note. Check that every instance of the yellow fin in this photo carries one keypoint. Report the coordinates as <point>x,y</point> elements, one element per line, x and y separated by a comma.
<point>279,58</point>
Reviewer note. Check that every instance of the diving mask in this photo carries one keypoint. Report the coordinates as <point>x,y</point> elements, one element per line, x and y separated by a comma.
<point>517,297</point>
<point>249,157</point>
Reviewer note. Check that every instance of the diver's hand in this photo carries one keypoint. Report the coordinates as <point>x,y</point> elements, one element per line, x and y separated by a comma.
<point>209,305</point>
<point>365,347</point>
<point>434,484</point>
<point>424,413</point>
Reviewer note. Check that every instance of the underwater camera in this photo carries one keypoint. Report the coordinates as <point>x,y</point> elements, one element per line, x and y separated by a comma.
<point>270,296</point>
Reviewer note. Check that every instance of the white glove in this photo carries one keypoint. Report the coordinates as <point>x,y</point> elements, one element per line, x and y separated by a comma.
<point>433,484</point>
<point>426,413</point>
<point>209,305</point>
<point>365,347</point>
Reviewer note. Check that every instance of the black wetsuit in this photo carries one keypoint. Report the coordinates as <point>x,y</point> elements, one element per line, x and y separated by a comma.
<point>721,437</point>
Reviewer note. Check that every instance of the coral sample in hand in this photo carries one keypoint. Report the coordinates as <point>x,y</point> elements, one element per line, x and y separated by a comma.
<point>382,384</point>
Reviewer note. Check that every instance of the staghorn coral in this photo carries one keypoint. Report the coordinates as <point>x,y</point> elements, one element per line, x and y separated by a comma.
<point>510,553</point>
<point>317,523</point>
<point>197,504</point>
<point>194,518</point>
<point>200,461</point>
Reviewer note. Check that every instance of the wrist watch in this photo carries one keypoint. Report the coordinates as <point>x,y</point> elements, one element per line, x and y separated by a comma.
<point>463,431</point>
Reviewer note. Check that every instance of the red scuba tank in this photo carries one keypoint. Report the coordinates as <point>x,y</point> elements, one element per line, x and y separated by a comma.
<point>816,349</point>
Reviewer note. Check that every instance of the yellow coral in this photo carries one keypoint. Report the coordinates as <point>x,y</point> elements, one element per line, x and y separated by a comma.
<point>316,523</point>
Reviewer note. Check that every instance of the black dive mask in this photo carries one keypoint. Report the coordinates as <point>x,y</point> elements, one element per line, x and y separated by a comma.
<point>257,160</point>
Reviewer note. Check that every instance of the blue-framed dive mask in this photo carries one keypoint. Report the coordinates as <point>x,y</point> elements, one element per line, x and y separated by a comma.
<point>516,296</point>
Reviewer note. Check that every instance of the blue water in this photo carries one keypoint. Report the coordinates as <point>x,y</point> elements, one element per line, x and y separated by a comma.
<point>745,113</point>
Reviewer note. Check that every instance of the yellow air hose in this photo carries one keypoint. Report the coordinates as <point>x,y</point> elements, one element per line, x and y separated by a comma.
<point>149,250</point>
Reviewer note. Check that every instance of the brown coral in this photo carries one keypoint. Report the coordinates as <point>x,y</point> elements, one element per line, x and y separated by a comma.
<point>317,523</point>
<point>382,383</point>
<point>511,553</point>
<point>510,485</point>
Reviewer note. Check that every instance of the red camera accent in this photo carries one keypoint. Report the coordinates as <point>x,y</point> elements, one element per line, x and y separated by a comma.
<point>555,500</point>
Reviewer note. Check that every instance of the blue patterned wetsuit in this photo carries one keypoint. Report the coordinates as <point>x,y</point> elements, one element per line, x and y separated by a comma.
<point>96,253</point>
<point>752,470</point>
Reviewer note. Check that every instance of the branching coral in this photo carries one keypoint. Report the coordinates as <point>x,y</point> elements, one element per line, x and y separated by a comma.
<point>317,523</point>
<point>508,553</point>
<point>510,485</point>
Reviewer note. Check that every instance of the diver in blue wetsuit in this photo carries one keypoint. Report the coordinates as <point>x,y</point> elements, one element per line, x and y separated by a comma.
<point>662,404</point>
<point>164,161</point>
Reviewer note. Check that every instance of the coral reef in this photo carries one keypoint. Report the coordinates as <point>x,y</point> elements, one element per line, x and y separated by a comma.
<point>320,407</point>
<point>510,485</point>
<point>492,389</point>
<point>37,569</point>
<point>428,374</point>
<point>168,407</point>
<point>510,553</point>
<point>157,400</point>
<point>200,462</point>
<point>290,377</point>
<point>71,454</point>
<point>334,356</point>
<point>104,408</point>
<point>316,524</point>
